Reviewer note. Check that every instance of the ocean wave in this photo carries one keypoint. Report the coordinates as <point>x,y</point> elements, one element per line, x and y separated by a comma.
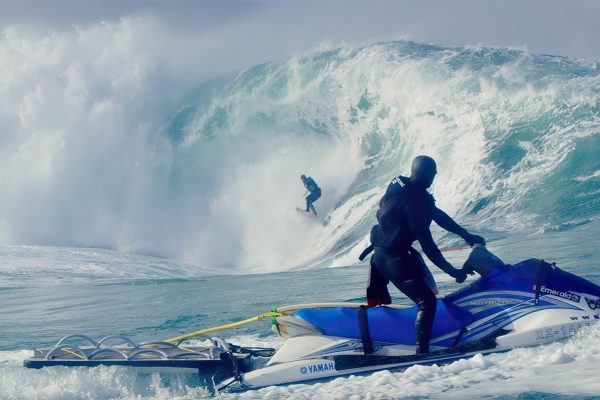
<point>96,154</point>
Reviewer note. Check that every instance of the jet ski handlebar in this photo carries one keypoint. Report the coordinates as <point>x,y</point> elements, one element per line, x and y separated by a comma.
<point>481,260</point>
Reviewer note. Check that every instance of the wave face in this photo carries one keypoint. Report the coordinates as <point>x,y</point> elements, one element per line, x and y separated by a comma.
<point>515,135</point>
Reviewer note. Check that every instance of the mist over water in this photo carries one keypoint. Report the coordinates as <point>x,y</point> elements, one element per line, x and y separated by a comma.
<point>99,150</point>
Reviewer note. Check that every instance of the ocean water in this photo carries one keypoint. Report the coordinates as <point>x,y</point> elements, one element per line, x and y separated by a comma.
<point>128,208</point>
<point>52,292</point>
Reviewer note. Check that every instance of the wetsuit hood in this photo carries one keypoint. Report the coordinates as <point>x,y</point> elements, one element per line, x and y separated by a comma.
<point>423,171</point>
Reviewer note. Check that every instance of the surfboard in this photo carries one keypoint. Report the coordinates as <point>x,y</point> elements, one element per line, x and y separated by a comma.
<point>306,213</point>
<point>309,215</point>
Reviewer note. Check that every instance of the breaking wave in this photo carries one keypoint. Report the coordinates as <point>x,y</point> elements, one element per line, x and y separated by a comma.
<point>96,152</point>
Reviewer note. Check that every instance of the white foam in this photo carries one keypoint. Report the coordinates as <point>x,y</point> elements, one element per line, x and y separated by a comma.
<point>22,263</point>
<point>587,178</point>
<point>14,358</point>
<point>94,383</point>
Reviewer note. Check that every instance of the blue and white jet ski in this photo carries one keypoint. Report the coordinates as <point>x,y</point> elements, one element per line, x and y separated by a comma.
<point>526,304</point>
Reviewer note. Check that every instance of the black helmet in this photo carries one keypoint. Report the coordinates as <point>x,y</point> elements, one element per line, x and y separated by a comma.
<point>423,171</point>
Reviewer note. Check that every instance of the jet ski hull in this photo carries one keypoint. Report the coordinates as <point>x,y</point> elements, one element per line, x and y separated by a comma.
<point>317,369</point>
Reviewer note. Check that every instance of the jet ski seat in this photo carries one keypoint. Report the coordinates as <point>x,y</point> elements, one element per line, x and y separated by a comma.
<point>389,325</point>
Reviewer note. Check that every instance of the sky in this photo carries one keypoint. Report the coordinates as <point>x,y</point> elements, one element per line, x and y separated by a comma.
<point>245,33</point>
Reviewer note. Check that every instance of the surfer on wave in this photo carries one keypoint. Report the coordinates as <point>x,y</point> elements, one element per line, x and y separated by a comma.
<point>314,193</point>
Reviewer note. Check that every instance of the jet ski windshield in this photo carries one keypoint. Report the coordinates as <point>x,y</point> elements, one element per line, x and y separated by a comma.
<point>481,260</point>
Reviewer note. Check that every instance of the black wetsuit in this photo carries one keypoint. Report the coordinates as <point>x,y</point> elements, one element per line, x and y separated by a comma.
<point>315,193</point>
<point>406,211</point>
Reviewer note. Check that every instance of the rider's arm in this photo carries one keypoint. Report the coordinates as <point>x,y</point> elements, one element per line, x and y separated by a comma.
<point>307,190</point>
<point>418,221</point>
<point>444,220</point>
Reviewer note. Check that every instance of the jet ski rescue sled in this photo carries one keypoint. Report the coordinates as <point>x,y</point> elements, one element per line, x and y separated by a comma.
<point>525,304</point>
<point>216,358</point>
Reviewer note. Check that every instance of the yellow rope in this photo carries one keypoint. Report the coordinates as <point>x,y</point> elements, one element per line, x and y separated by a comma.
<point>223,327</point>
<point>73,353</point>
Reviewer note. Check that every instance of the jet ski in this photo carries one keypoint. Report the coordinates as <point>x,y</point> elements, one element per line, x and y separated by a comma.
<point>508,306</point>
<point>526,304</point>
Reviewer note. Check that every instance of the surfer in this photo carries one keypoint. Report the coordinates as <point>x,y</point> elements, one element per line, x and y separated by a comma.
<point>314,193</point>
<point>405,213</point>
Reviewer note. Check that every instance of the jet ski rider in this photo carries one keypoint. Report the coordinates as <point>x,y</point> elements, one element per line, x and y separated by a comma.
<point>405,214</point>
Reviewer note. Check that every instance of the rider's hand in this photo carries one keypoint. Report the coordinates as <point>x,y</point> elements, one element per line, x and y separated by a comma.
<point>459,275</point>
<point>473,239</point>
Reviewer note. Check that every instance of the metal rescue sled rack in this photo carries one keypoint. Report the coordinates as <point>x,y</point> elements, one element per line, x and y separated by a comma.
<point>217,357</point>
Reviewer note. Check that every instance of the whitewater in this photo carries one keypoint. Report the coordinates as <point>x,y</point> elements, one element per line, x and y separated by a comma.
<point>140,199</point>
